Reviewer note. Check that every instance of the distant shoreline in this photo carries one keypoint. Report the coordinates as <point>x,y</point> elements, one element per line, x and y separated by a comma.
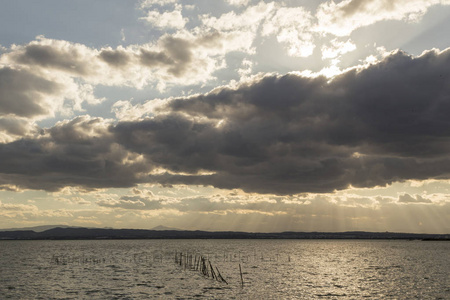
<point>97,234</point>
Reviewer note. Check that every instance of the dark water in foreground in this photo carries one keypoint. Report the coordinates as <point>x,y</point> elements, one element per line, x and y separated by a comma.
<point>272,269</point>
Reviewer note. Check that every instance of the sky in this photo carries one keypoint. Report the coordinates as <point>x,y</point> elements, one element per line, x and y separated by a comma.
<point>244,115</point>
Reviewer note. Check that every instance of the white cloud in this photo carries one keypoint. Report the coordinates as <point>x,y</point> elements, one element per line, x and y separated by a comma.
<point>248,20</point>
<point>292,27</point>
<point>92,220</point>
<point>150,3</point>
<point>74,200</point>
<point>246,69</point>
<point>238,2</point>
<point>124,110</point>
<point>342,18</point>
<point>406,198</point>
<point>17,207</point>
<point>12,210</point>
<point>337,48</point>
<point>167,20</point>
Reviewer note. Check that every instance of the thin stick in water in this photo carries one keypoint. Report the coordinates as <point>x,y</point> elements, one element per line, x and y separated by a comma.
<point>240,271</point>
<point>220,275</point>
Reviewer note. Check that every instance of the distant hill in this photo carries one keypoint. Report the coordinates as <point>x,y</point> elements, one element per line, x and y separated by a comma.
<point>38,228</point>
<point>161,227</point>
<point>73,233</point>
<point>47,227</point>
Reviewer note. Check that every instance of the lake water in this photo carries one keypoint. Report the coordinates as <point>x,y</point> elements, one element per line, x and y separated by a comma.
<point>271,269</point>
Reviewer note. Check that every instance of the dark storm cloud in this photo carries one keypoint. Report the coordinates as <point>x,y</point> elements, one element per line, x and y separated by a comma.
<point>282,135</point>
<point>22,93</point>
<point>75,153</point>
<point>293,134</point>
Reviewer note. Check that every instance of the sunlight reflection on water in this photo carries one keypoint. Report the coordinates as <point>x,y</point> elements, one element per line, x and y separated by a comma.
<point>272,269</point>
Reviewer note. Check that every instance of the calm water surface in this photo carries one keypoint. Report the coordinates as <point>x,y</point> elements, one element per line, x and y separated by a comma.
<point>272,269</point>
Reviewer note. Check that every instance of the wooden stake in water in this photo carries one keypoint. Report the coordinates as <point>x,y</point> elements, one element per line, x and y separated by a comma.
<point>220,275</point>
<point>213,274</point>
<point>242,280</point>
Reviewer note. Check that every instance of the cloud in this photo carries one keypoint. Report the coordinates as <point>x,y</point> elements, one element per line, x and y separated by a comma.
<point>150,3</point>
<point>115,58</point>
<point>337,48</point>
<point>199,204</point>
<point>131,203</point>
<point>23,94</point>
<point>39,79</point>
<point>289,134</point>
<point>340,211</point>
<point>299,29</point>
<point>17,207</point>
<point>239,29</point>
<point>406,198</point>
<point>27,96</point>
<point>14,211</point>
<point>292,27</point>
<point>294,134</point>
<point>238,2</point>
<point>12,128</point>
<point>73,200</point>
<point>342,18</point>
<point>167,20</point>
<point>182,58</point>
<point>248,20</point>
<point>47,77</point>
<point>79,152</point>
<point>59,55</point>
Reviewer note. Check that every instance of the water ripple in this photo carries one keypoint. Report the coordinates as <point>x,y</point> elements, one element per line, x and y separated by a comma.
<point>271,269</point>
